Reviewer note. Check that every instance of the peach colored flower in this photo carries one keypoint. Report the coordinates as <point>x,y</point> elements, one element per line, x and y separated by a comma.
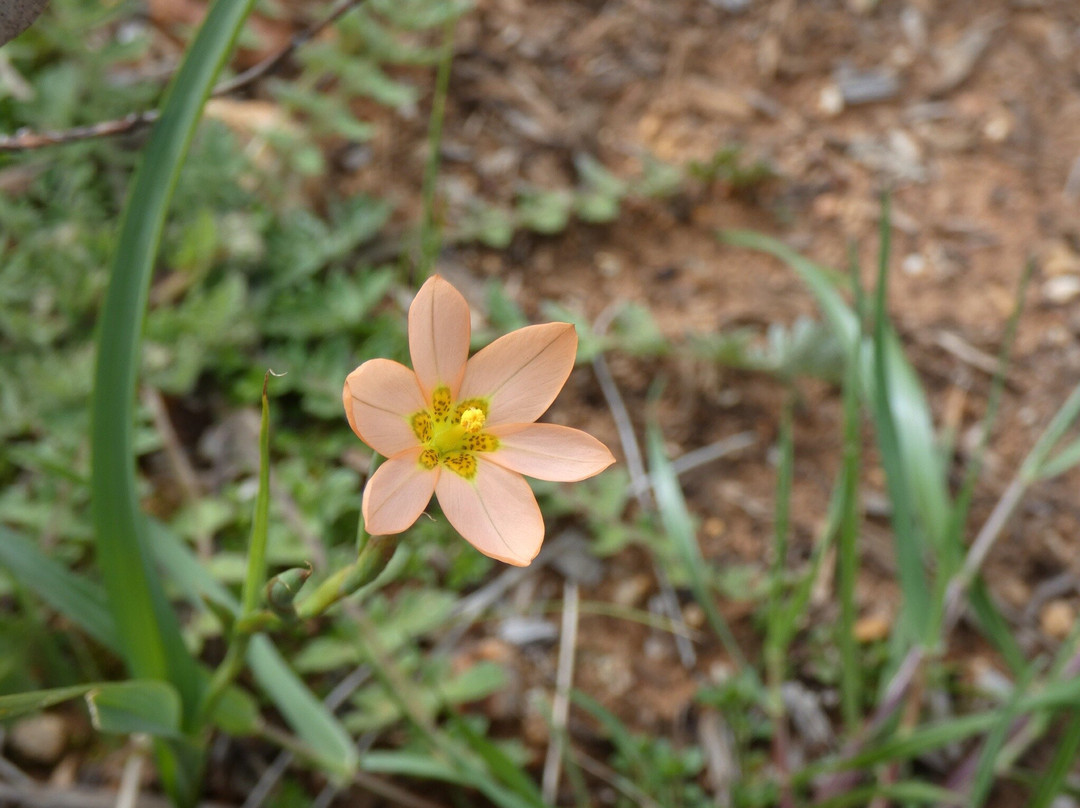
<point>464,429</point>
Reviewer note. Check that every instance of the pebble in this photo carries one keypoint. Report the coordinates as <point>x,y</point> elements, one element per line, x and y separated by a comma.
<point>913,264</point>
<point>1061,289</point>
<point>1057,618</point>
<point>872,628</point>
<point>40,738</point>
<point>1059,259</point>
<point>631,591</point>
<point>527,631</point>
<point>831,100</point>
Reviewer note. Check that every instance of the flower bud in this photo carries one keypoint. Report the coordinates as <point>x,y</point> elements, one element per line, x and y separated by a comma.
<point>281,590</point>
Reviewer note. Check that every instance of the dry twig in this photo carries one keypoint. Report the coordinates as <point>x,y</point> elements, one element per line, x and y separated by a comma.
<point>560,708</point>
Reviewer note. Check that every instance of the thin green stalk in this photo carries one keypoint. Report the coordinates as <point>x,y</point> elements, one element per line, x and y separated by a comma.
<point>398,687</point>
<point>254,580</point>
<point>778,637</point>
<point>1035,463</point>
<point>990,620</point>
<point>986,766</point>
<point>678,525</point>
<point>430,231</point>
<point>781,526</point>
<point>847,555</point>
<point>962,505</point>
<point>1053,780</point>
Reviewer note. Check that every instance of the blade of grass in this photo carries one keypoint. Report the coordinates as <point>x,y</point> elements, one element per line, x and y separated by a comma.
<point>847,556</point>
<point>908,403</point>
<point>148,629</point>
<point>1053,780</point>
<point>679,527</point>
<point>401,690</point>
<point>429,228</point>
<point>72,595</point>
<point>1062,461</point>
<point>255,577</point>
<point>933,736</point>
<point>1036,463</point>
<point>906,792</point>
<point>991,622</point>
<point>617,733</point>
<point>916,592</point>
<point>986,766</point>
<point>776,636</point>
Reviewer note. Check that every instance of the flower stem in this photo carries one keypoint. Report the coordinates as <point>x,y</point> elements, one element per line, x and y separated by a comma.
<point>372,560</point>
<point>254,580</point>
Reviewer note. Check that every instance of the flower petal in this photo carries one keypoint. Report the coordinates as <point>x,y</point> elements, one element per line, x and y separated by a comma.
<point>439,336</point>
<point>397,493</point>
<point>550,452</point>
<point>379,397</point>
<point>522,372</point>
<point>496,512</point>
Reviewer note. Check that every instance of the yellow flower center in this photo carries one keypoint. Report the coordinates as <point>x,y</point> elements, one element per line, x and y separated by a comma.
<point>451,433</point>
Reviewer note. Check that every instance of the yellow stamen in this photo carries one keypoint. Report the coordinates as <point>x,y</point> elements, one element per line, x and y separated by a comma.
<point>472,420</point>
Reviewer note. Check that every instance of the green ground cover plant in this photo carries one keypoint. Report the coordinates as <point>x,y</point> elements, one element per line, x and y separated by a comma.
<point>167,270</point>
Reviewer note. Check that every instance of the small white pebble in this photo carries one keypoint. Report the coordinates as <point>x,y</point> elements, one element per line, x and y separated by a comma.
<point>831,100</point>
<point>1061,289</point>
<point>913,264</point>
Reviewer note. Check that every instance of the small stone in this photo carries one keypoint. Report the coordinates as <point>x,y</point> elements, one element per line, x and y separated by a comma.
<point>693,615</point>
<point>527,631</point>
<point>865,86</point>
<point>731,6</point>
<point>40,738</point>
<point>1060,259</point>
<point>1062,289</point>
<point>872,628</point>
<point>913,264</point>
<point>999,127</point>
<point>988,680</point>
<point>631,591</point>
<point>831,100</point>
<point>1057,619</point>
<point>714,527</point>
<point>608,264</point>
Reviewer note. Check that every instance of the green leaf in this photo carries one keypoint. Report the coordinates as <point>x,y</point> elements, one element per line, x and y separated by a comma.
<point>910,409</point>
<point>118,707</point>
<point>905,792</point>
<point>986,769</point>
<point>1053,780</point>
<point>148,629</point>
<point>916,590</point>
<point>18,704</point>
<point>502,767</point>
<point>149,707</point>
<point>680,530</point>
<point>73,596</point>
